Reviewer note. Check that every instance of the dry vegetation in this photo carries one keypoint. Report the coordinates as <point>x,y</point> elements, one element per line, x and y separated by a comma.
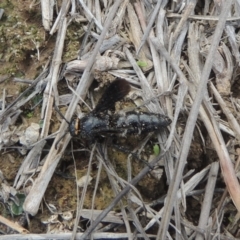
<point>182,60</point>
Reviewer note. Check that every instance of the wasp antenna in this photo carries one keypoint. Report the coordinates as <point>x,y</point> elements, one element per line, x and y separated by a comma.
<point>57,109</point>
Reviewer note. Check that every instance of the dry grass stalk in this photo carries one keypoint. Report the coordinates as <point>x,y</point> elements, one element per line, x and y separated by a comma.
<point>47,13</point>
<point>13,225</point>
<point>231,119</point>
<point>181,92</point>
<point>202,17</point>
<point>67,236</point>
<point>117,21</point>
<point>188,11</point>
<point>51,88</point>
<point>90,16</point>
<point>62,14</point>
<point>30,162</point>
<point>146,29</point>
<point>135,33</point>
<point>207,202</point>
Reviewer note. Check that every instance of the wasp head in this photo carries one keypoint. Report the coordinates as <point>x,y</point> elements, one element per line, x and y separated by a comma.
<point>74,127</point>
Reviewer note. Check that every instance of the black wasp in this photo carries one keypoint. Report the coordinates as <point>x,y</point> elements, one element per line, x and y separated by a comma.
<point>103,122</point>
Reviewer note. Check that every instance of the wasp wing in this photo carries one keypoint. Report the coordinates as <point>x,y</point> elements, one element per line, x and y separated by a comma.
<point>116,91</point>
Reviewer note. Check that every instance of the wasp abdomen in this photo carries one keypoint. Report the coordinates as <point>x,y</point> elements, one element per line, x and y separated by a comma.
<point>140,122</point>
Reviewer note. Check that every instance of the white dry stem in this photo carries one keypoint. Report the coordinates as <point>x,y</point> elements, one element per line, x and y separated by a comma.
<point>47,13</point>
<point>231,119</point>
<point>61,15</point>
<point>135,36</point>
<point>207,202</point>
<point>51,89</point>
<point>90,16</point>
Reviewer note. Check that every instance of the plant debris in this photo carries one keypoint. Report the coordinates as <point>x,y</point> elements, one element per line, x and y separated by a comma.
<point>181,59</point>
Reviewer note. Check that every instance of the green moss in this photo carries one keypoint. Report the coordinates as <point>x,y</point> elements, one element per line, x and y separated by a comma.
<point>6,4</point>
<point>72,41</point>
<point>20,34</point>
